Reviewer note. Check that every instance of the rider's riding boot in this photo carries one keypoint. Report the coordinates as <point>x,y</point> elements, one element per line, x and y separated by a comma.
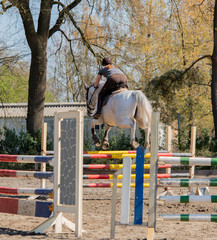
<point>99,107</point>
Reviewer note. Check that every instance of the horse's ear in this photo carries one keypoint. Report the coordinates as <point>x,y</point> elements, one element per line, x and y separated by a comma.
<point>86,86</point>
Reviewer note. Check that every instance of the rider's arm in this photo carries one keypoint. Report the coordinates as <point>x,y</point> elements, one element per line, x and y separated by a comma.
<point>98,78</point>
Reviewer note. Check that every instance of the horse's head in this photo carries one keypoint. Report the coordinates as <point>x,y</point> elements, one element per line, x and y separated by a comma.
<point>91,99</point>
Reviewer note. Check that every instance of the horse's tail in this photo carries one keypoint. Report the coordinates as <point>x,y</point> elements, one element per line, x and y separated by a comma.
<point>142,105</point>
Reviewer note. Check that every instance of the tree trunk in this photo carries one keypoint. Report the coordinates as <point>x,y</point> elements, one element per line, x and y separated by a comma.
<point>37,88</point>
<point>214,90</point>
<point>214,71</point>
<point>37,41</point>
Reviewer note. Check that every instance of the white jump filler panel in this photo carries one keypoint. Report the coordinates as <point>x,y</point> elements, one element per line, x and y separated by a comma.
<point>68,171</point>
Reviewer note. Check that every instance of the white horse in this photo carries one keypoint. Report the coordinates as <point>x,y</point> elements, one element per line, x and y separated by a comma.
<point>123,110</point>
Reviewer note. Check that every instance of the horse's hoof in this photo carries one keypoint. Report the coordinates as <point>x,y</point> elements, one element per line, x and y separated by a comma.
<point>96,141</point>
<point>146,145</point>
<point>105,145</point>
<point>134,144</point>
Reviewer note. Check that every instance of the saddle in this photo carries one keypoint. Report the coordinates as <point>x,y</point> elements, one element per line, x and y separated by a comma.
<point>106,99</point>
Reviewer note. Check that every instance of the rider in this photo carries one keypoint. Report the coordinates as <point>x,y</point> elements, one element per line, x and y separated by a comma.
<point>115,81</point>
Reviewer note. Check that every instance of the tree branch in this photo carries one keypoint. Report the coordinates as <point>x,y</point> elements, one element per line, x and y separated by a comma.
<point>187,69</point>
<point>198,4</point>
<point>205,114</point>
<point>61,18</point>
<point>4,7</point>
<point>82,34</point>
<point>199,59</point>
<point>26,15</point>
<point>71,50</point>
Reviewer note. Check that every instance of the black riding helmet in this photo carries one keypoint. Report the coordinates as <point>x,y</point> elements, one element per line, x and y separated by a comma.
<point>106,61</point>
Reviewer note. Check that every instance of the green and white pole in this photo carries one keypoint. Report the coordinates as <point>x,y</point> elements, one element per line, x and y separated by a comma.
<point>190,199</point>
<point>188,161</point>
<point>189,217</point>
<point>188,182</point>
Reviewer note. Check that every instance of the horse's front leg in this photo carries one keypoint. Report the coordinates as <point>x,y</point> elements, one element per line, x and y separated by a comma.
<point>105,143</point>
<point>133,142</point>
<point>93,123</point>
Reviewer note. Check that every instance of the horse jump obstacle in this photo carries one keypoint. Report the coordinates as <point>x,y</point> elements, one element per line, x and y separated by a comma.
<point>190,199</point>
<point>133,166</point>
<point>24,207</point>
<point>28,191</point>
<point>49,191</point>
<point>199,161</point>
<point>191,217</point>
<point>67,191</point>
<point>20,206</point>
<point>119,166</point>
<point>191,154</point>
<point>139,188</point>
<point>87,154</point>
<point>191,182</point>
<point>188,182</point>
<point>49,175</point>
<point>120,154</point>
<point>152,189</point>
<point>125,199</point>
<point>193,161</point>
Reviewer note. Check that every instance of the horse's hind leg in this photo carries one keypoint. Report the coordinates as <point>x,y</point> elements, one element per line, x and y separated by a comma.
<point>147,131</point>
<point>133,142</point>
<point>129,123</point>
<point>105,143</point>
<point>142,124</point>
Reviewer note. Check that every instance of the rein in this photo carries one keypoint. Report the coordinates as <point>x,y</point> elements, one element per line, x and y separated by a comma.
<point>90,105</point>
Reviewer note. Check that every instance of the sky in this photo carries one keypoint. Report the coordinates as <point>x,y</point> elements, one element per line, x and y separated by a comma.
<point>13,35</point>
<point>12,32</point>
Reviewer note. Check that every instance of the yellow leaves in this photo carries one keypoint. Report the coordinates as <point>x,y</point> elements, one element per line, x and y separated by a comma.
<point>3,6</point>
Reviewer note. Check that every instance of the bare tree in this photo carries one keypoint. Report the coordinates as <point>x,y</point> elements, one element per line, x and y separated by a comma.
<point>37,40</point>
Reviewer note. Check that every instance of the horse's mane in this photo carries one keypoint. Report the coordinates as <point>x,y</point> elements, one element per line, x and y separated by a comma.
<point>101,84</point>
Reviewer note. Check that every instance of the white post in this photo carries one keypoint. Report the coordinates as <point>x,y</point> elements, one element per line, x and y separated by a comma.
<point>153,176</point>
<point>193,141</point>
<point>125,194</point>
<point>192,150</point>
<point>113,207</point>
<point>168,144</point>
<point>168,138</point>
<point>43,151</point>
<point>79,176</point>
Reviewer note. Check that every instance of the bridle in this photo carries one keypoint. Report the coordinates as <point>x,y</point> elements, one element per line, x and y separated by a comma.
<point>90,106</point>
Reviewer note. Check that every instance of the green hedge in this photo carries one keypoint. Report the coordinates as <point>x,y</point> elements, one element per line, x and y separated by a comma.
<point>24,144</point>
<point>21,144</point>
